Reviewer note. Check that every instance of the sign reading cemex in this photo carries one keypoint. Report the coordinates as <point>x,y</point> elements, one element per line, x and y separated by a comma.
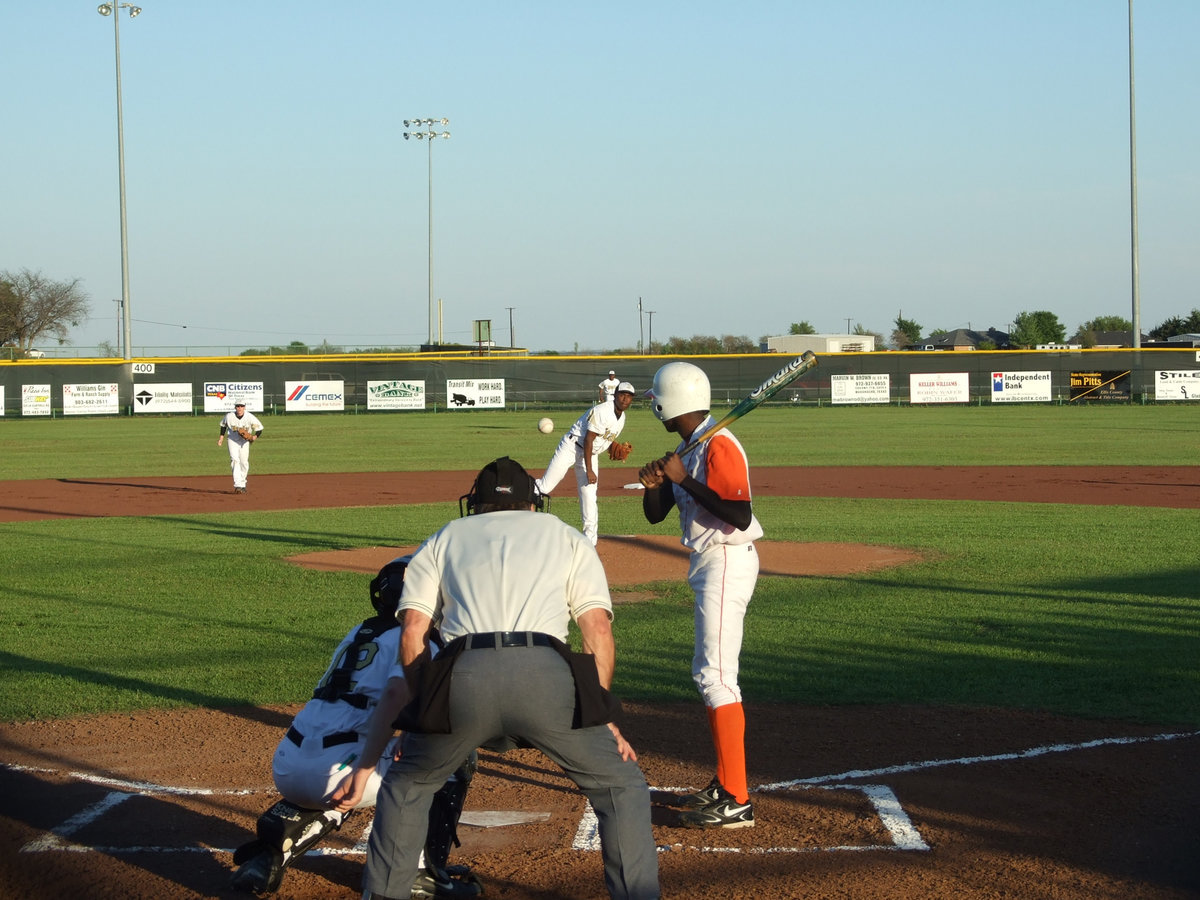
<point>939,387</point>
<point>91,399</point>
<point>860,388</point>
<point>35,399</point>
<point>314,396</point>
<point>1100,387</point>
<point>472,393</point>
<point>1020,387</point>
<point>395,395</point>
<point>162,398</point>
<point>219,396</point>
<point>1177,385</point>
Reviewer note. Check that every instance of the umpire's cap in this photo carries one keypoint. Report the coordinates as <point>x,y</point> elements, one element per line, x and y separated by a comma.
<point>501,484</point>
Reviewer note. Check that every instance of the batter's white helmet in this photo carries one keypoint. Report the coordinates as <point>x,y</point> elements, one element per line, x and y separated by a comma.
<point>679,388</point>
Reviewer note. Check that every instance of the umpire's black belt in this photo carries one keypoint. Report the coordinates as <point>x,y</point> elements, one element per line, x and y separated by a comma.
<point>497,639</point>
<point>330,740</point>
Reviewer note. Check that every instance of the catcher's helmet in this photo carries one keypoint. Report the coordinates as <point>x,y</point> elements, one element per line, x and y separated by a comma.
<point>386,586</point>
<point>502,483</point>
<point>679,388</point>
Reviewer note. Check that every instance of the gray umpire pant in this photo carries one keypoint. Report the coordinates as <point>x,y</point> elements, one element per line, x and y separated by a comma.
<point>520,692</point>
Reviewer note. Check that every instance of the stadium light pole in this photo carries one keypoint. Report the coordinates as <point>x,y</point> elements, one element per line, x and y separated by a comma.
<point>1133,198</point>
<point>428,135</point>
<point>114,10</point>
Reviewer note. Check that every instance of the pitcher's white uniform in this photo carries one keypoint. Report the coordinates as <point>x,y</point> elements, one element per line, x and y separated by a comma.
<point>723,568</point>
<point>239,447</point>
<point>604,422</point>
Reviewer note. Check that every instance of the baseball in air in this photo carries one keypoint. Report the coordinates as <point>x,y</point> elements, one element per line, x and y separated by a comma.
<point>545,426</point>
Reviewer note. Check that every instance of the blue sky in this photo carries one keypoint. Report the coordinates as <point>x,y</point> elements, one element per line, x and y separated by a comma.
<point>738,166</point>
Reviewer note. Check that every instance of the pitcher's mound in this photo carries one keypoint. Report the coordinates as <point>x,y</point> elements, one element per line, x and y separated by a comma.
<point>642,559</point>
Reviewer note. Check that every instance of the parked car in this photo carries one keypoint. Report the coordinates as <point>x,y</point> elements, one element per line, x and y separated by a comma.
<point>34,354</point>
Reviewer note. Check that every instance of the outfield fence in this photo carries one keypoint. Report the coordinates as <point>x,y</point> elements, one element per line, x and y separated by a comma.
<point>359,382</point>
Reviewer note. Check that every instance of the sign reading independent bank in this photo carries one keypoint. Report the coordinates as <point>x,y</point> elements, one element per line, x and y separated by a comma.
<point>1021,387</point>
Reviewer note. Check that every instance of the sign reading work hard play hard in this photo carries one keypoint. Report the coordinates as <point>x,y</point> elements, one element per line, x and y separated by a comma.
<point>91,399</point>
<point>474,393</point>
<point>860,388</point>
<point>1100,387</point>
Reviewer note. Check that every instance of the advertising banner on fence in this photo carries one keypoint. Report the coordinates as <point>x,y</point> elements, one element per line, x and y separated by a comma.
<point>860,388</point>
<point>1100,387</point>
<point>939,387</point>
<point>35,399</point>
<point>91,399</point>
<point>314,396</point>
<point>162,398</point>
<point>1020,387</point>
<point>1177,385</point>
<point>219,396</point>
<point>395,395</point>
<point>472,393</point>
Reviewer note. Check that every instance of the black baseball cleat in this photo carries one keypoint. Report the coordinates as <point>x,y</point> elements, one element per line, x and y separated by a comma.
<point>724,812</point>
<point>261,874</point>
<point>706,796</point>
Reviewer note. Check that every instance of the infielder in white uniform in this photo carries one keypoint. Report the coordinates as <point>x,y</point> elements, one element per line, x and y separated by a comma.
<point>711,488</point>
<point>608,387</point>
<point>242,429</point>
<point>581,447</point>
<point>327,737</point>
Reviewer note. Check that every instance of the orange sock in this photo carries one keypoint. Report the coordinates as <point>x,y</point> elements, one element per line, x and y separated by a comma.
<point>728,725</point>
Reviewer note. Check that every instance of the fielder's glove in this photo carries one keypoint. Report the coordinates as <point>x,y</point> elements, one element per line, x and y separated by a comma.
<point>619,450</point>
<point>246,432</point>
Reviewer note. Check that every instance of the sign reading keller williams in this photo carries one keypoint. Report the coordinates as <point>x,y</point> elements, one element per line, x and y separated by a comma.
<point>939,387</point>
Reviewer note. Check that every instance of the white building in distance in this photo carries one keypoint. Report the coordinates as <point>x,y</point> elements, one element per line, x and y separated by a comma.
<point>795,344</point>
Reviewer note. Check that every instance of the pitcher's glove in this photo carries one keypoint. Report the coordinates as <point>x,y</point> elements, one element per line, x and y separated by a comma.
<point>619,450</point>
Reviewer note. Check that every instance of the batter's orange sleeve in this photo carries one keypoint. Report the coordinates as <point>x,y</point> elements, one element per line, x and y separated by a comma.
<point>727,472</point>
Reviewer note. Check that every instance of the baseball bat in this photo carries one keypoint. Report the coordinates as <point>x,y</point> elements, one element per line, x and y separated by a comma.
<point>757,397</point>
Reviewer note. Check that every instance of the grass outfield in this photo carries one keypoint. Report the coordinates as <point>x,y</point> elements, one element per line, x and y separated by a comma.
<point>1087,611</point>
<point>105,447</point>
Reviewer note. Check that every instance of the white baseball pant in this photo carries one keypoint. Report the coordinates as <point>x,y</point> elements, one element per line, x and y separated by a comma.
<point>722,578</point>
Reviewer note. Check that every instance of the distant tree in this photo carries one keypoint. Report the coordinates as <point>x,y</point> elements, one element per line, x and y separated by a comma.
<point>1086,333</point>
<point>880,343</point>
<point>906,332</point>
<point>1039,327</point>
<point>801,328</point>
<point>702,344</point>
<point>1176,325</point>
<point>33,306</point>
<point>107,349</point>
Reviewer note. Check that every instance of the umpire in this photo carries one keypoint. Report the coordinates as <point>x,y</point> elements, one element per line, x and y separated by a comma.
<point>502,583</point>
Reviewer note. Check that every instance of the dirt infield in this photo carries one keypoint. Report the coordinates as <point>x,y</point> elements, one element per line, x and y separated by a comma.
<point>851,802</point>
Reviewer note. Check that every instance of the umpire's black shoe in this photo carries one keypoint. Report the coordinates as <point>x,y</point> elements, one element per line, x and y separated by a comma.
<point>435,884</point>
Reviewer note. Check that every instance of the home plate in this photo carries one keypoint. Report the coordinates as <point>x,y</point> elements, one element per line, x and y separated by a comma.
<point>498,817</point>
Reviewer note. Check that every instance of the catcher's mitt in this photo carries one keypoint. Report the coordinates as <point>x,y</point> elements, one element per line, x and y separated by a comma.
<point>619,450</point>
